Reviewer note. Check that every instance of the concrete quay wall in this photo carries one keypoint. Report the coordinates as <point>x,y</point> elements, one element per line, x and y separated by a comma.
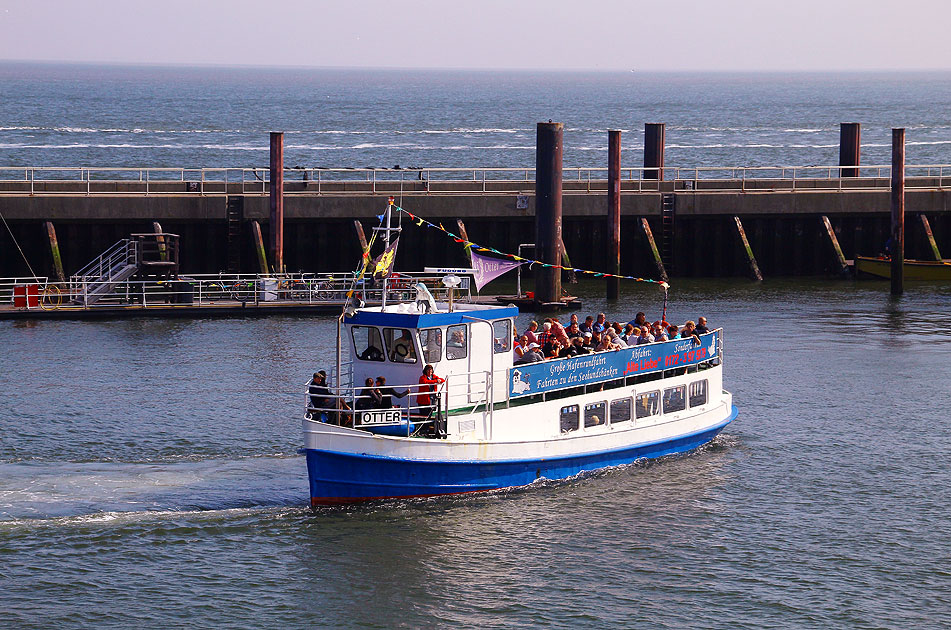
<point>783,225</point>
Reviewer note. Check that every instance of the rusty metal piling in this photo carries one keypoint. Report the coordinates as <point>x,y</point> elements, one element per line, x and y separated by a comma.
<point>654,151</point>
<point>898,211</point>
<point>277,201</point>
<point>548,182</point>
<point>850,135</point>
<point>614,213</point>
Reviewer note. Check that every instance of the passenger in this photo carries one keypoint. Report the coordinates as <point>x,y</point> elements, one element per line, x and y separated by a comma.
<point>574,331</point>
<point>369,397</point>
<point>532,355</point>
<point>386,393</point>
<point>588,325</point>
<point>458,339</point>
<point>568,351</point>
<point>617,327</point>
<point>580,348</point>
<point>530,332</point>
<point>372,353</point>
<point>629,336</point>
<point>551,349</point>
<point>689,332</point>
<point>599,324</point>
<point>673,332</point>
<point>573,319</point>
<point>427,400</point>
<point>605,343</point>
<point>595,340</point>
<point>559,331</point>
<point>639,320</point>
<point>644,337</point>
<point>520,348</point>
<point>660,334</point>
<point>545,336</point>
<point>701,328</point>
<point>589,340</point>
<point>320,399</point>
<point>617,341</point>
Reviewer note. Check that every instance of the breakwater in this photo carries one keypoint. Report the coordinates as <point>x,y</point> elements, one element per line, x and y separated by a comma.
<point>692,219</point>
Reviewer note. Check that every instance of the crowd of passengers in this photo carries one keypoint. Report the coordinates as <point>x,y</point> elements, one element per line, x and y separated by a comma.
<point>554,340</point>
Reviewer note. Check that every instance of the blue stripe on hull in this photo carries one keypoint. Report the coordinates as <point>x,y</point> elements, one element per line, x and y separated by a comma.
<point>348,478</point>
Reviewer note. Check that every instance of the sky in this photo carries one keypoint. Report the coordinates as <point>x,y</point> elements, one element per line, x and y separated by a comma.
<point>682,35</point>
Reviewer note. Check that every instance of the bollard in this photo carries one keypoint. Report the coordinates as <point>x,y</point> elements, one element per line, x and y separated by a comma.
<point>548,178</point>
<point>277,200</point>
<point>613,287</point>
<point>898,211</point>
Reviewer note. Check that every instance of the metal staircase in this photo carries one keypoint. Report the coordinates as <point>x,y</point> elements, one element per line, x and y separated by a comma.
<point>235,209</point>
<point>668,207</point>
<point>117,264</point>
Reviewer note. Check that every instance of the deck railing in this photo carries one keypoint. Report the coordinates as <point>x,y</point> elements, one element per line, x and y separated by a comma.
<point>348,181</point>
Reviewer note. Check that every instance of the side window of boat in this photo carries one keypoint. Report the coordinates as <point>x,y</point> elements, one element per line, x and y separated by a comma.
<point>502,334</point>
<point>697,392</point>
<point>620,410</point>
<point>430,340</point>
<point>674,399</point>
<point>647,404</point>
<point>367,344</point>
<point>457,345</point>
<point>594,414</point>
<point>399,345</point>
<point>569,418</point>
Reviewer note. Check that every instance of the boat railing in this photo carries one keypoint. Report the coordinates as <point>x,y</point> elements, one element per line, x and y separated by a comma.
<point>351,406</point>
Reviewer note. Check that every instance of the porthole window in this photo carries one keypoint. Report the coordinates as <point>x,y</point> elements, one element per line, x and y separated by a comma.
<point>568,418</point>
<point>620,410</point>
<point>647,404</point>
<point>674,399</point>
<point>697,393</point>
<point>594,414</point>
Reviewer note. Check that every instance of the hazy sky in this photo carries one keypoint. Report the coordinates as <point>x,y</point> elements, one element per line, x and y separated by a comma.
<point>648,36</point>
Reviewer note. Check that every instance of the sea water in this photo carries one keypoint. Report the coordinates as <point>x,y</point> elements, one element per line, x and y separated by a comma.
<point>149,473</point>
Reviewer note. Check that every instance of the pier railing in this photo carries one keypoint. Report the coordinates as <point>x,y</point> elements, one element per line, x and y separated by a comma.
<point>343,181</point>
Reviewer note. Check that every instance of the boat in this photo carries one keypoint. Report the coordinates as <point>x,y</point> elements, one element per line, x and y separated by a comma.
<point>425,399</point>
<point>913,269</point>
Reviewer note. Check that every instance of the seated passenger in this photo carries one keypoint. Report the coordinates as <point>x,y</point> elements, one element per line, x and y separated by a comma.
<point>568,351</point>
<point>616,340</point>
<point>386,394</point>
<point>639,320</point>
<point>589,340</point>
<point>645,336</point>
<point>368,397</point>
<point>532,355</point>
<point>545,336</point>
<point>574,331</point>
<point>588,324</point>
<point>580,348</point>
<point>599,324</point>
<point>458,339</point>
<point>573,319</point>
<point>673,332</point>
<point>629,336</point>
<point>519,349</point>
<point>660,334</point>
<point>689,332</point>
<point>403,351</point>
<point>530,332</point>
<point>701,328</point>
<point>559,331</point>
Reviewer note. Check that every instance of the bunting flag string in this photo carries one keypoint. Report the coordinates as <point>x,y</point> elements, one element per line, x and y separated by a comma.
<point>420,222</point>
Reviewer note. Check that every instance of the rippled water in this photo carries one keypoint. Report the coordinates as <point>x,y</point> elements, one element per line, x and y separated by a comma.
<point>149,476</point>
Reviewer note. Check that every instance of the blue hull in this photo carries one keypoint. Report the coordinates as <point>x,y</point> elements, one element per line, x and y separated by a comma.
<point>349,478</point>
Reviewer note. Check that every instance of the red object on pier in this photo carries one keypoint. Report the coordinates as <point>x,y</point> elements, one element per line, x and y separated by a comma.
<point>26,295</point>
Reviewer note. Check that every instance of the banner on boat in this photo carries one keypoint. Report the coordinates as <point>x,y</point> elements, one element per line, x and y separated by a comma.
<point>536,378</point>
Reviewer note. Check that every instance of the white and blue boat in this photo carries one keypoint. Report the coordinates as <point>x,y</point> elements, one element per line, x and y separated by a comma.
<point>491,424</point>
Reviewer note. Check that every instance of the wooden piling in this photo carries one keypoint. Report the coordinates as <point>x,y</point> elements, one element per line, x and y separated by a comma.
<point>843,267</point>
<point>654,151</point>
<point>361,236</point>
<point>54,250</point>
<point>849,148</point>
<point>933,245</point>
<point>259,246</point>
<point>566,263</point>
<point>548,183</point>
<point>655,253</point>
<point>614,214</point>
<point>277,200</point>
<point>751,259</point>
<point>898,211</point>
<point>463,234</point>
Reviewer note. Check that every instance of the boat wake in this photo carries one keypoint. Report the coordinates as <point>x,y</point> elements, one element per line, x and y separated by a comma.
<point>32,492</point>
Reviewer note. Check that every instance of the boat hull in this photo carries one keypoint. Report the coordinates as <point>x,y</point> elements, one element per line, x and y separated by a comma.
<point>342,477</point>
<point>913,269</point>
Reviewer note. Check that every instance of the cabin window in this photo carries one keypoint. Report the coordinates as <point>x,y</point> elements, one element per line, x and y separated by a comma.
<point>594,414</point>
<point>457,344</point>
<point>502,335</point>
<point>367,344</point>
<point>399,345</point>
<point>674,399</point>
<point>569,418</point>
<point>620,410</point>
<point>430,340</point>
<point>647,404</point>
<point>697,393</point>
